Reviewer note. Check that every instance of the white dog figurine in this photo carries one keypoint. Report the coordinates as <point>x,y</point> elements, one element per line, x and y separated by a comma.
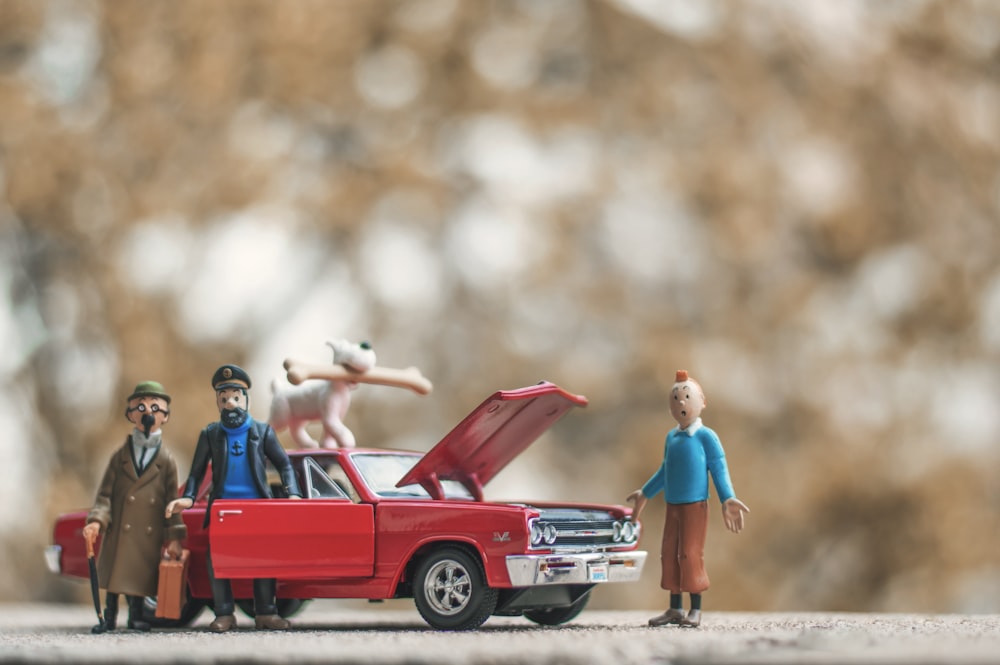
<point>327,401</point>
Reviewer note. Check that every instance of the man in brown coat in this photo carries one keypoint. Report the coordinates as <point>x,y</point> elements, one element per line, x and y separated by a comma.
<point>140,480</point>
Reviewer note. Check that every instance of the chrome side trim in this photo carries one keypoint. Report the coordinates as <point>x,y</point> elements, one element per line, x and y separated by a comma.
<point>583,568</point>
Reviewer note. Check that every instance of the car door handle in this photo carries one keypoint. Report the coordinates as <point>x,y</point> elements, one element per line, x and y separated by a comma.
<point>223,513</point>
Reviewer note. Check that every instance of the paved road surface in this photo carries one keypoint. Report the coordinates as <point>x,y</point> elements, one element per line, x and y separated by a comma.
<point>393,633</point>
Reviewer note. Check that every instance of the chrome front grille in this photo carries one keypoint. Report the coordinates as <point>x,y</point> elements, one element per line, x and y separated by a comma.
<point>558,531</point>
<point>584,533</point>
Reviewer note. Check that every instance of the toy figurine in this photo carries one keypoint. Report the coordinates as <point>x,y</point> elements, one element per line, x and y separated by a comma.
<point>140,479</point>
<point>238,448</point>
<point>324,392</point>
<point>327,401</point>
<point>382,524</point>
<point>692,452</point>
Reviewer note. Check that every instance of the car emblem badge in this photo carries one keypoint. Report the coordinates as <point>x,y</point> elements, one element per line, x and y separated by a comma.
<point>499,537</point>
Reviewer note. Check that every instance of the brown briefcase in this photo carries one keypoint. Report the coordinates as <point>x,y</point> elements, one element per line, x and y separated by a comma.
<point>172,590</point>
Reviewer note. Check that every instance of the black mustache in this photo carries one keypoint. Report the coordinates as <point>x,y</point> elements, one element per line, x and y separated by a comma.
<point>147,423</point>
<point>234,417</point>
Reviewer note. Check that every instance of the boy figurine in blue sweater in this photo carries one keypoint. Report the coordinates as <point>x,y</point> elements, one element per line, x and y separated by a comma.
<point>691,453</point>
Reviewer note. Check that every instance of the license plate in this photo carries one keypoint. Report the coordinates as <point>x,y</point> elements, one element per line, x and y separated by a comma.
<point>599,573</point>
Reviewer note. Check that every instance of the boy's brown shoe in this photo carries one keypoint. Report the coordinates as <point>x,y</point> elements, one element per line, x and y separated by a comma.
<point>671,616</point>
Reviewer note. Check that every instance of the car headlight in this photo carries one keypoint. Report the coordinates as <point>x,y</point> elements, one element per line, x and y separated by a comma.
<point>536,534</point>
<point>549,534</point>
<point>616,532</point>
<point>628,532</point>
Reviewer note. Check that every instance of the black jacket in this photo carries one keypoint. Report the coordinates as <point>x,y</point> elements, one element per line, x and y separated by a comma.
<point>262,443</point>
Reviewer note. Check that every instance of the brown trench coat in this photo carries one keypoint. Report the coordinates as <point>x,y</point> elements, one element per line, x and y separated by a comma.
<point>130,510</point>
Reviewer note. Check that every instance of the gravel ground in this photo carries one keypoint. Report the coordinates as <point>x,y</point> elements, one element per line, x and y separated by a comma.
<point>353,632</point>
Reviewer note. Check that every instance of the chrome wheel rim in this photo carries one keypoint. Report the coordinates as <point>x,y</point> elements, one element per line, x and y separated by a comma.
<point>448,587</point>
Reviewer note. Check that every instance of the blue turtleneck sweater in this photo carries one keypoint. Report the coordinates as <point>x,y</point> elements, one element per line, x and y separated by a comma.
<point>239,478</point>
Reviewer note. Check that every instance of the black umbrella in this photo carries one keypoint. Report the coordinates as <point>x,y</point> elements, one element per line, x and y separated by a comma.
<point>94,587</point>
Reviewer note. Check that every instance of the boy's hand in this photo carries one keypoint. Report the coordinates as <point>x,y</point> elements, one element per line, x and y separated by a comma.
<point>639,499</point>
<point>732,513</point>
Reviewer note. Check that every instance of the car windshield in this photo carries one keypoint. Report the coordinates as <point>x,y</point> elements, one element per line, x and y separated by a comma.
<point>382,471</point>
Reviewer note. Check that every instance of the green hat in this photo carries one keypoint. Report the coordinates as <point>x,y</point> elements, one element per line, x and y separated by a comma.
<point>149,389</point>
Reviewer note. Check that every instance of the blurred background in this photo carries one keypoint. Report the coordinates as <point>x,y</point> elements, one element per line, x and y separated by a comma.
<point>794,200</point>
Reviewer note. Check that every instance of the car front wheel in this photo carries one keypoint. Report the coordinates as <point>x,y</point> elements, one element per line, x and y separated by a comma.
<point>450,590</point>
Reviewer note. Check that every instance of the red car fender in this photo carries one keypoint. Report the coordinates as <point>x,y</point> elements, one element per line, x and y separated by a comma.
<point>414,554</point>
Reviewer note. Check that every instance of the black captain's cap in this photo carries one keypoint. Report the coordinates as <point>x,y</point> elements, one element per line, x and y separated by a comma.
<point>230,376</point>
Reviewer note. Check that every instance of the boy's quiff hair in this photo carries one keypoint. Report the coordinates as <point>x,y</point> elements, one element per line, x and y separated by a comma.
<point>682,376</point>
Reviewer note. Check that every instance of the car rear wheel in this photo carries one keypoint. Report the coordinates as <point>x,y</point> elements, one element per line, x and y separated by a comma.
<point>450,590</point>
<point>553,616</point>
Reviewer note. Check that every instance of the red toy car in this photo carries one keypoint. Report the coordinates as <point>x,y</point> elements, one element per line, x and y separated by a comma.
<point>382,524</point>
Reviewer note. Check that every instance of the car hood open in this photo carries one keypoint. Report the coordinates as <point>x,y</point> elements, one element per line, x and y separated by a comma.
<point>496,432</point>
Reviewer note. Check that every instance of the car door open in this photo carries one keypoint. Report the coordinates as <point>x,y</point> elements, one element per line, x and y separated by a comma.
<point>292,539</point>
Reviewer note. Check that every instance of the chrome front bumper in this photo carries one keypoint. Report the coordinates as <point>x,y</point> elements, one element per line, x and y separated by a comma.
<point>582,568</point>
<point>53,558</point>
